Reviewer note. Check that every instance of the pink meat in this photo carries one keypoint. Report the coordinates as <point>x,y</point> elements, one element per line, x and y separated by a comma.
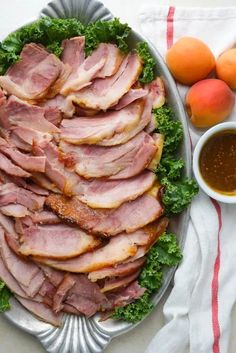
<point>126,295</point>
<point>10,168</point>
<point>119,162</point>
<point>113,61</point>
<point>56,241</point>
<point>33,75</point>
<point>112,284</point>
<point>73,51</point>
<point>104,93</point>
<point>107,222</point>
<point>131,96</point>
<point>103,126</point>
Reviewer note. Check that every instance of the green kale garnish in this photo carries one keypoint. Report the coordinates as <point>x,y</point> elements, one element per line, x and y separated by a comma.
<point>170,168</point>
<point>5,295</point>
<point>107,32</point>
<point>147,75</point>
<point>169,127</point>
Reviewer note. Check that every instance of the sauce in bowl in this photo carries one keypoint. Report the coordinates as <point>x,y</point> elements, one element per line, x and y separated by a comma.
<point>217,162</point>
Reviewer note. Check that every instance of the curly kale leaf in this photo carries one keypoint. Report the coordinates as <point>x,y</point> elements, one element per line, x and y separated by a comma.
<point>107,32</point>
<point>170,168</point>
<point>169,127</point>
<point>178,195</point>
<point>5,295</point>
<point>147,75</point>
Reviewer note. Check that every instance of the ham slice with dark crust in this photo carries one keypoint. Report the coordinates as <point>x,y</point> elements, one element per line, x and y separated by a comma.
<point>116,271</point>
<point>42,311</point>
<point>128,217</point>
<point>126,295</point>
<point>103,126</point>
<point>104,93</point>
<point>56,241</point>
<point>118,162</point>
<point>118,249</point>
<point>34,74</point>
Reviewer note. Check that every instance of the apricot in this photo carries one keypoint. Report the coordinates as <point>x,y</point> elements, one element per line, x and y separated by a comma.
<point>226,67</point>
<point>190,60</point>
<point>209,102</point>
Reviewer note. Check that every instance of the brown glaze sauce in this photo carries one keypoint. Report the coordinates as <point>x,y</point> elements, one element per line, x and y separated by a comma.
<point>217,162</point>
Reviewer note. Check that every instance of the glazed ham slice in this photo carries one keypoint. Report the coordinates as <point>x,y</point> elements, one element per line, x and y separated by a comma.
<point>27,274</point>
<point>14,210</point>
<point>112,284</point>
<point>22,114</point>
<point>123,136</point>
<point>107,222</point>
<point>26,162</point>
<point>10,281</point>
<point>103,126</point>
<point>126,295</point>
<point>83,74</point>
<point>113,61</point>
<point>73,51</point>
<point>113,193</point>
<point>42,311</point>
<point>33,75</point>
<point>104,93</point>
<point>118,249</point>
<point>7,166</point>
<point>117,271</point>
<point>131,96</point>
<point>10,193</point>
<point>119,162</point>
<point>56,241</point>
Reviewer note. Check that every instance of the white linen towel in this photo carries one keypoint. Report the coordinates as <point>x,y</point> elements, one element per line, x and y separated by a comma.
<point>198,310</point>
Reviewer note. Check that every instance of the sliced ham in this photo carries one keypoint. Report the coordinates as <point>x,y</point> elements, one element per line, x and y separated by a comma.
<point>83,74</point>
<point>7,166</point>
<point>117,271</point>
<point>53,115</point>
<point>124,136</point>
<point>86,296</point>
<point>157,92</point>
<point>128,217</point>
<point>61,292</point>
<point>113,193</point>
<point>132,95</point>
<point>159,142</point>
<point>27,274</point>
<point>26,162</point>
<point>42,311</point>
<point>103,126</point>
<point>118,162</point>
<point>59,103</point>
<point>10,193</point>
<point>14,210</point>
<point>117,250</point>
<point>73,51</point>
<point>29,116</point>
<point>126,295</point>
<point>43,182</point>
<point>10,281</point>
<point>55,277</point>
<point>33,75</point>
<point>104,93</point>
<point>56,241</point>
<point>113,61</point>
<point>45,217</point>
<point>117,283</point>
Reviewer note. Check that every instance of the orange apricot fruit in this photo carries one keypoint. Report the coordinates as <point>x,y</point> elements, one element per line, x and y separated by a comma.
<point>190,60</point>
<point>226,67</point>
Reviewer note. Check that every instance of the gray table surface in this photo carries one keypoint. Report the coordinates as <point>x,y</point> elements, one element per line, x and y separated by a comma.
<point>13,340</point>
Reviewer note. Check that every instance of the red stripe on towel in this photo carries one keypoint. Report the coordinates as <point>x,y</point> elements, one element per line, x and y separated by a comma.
<point>215,286</point>
<point>170,26</point>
